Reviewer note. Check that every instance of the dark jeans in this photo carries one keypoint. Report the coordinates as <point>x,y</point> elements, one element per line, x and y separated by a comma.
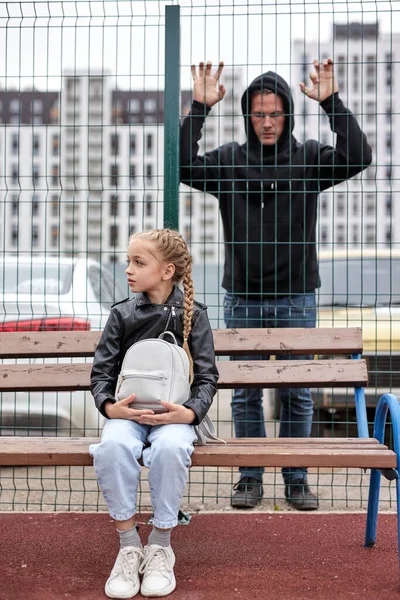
<point>296,403</point>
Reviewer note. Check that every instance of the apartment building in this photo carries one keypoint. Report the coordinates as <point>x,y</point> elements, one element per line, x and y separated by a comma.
<point>364,209</point>
<point>82,169</point>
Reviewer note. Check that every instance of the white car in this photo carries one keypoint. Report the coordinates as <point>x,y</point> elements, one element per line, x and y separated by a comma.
<point>40,293</point>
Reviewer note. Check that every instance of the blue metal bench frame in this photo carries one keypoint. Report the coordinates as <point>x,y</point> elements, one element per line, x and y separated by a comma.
<point>387,403</point>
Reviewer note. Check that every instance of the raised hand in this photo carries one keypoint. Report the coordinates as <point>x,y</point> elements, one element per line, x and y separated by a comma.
<point>206,88</point>
<point>323,80</point>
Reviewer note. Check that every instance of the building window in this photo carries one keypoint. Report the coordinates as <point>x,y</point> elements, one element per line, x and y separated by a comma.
<point>132,174</point>
<point>389,172</point>
<point>188,233</point>
<point>35,205</point>
<point>113,235</point>
<point>132,205</point>
<point>371,112</point>
<point>389,142</point>
<point>55,175</point>
<point>356,204</point>
<point>389,69</point>
<point>324,235</point>
<point>113,206</point>
<point>55,206</point>
<point>340,71</point>
<point>388,235</point>
<point>114,175</point>
<point>149,206</point>
<point>150,105</point>
<point>114,144</point>
<point>15,105</point>
<point>54,236</point>
<point>15,174</point>
<point>356,73</point>
<point>133,105</point>
<point>14,205</point>
<point>340,204</point>
<point>132,144</point>
<point>14,235</point>
<point>35,236</point>
<point>35,145</point>
<point>149,172</point>
<point>149,143</point>
<point>340,234</point>
<point>388,205</point>
<point>370,205</point>
<point>37,106</point>
<point>188,205</point>
<point>15,143</point>
<point>371,72</point>
<point>370,234</point>
<point>35,174</point>
<point>55,145</point>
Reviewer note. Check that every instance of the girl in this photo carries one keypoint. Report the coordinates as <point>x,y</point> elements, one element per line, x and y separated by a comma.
<point>157,261</point>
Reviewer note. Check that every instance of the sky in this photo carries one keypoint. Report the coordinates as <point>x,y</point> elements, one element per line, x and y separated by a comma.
<point>39,40</point>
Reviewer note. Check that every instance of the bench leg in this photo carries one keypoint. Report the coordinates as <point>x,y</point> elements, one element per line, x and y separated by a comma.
<point>373,505</point>
<point>391,403</point>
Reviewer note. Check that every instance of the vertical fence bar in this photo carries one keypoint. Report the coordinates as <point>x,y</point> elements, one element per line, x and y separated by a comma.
<point>171,117</point>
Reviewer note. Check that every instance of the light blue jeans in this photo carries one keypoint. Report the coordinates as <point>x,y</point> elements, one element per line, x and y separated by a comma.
<point>166,451</point>
<point>296,403</point>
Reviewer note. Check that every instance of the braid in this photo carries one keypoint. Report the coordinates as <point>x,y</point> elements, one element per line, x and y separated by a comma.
<point>173,248</point>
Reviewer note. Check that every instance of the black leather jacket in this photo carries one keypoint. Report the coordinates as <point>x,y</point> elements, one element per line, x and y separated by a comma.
<point>138,318</point>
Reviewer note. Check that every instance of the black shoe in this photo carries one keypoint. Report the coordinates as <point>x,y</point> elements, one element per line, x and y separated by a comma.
<point>300,496</point>
<point>248,493</point>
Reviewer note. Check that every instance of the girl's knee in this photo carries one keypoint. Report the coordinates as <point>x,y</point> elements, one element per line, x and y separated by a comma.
<point>118,447</point>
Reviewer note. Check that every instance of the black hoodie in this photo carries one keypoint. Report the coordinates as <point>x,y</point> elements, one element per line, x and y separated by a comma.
<point>268,194</point>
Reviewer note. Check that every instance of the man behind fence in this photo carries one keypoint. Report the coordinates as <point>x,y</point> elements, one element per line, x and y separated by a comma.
<point>268,191</point>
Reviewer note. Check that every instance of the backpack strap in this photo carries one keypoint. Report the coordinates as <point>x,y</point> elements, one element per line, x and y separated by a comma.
<point>205,430</point>
<point>160,337</point>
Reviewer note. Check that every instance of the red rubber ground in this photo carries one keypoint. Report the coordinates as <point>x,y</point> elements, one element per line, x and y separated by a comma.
<point>232,556</point>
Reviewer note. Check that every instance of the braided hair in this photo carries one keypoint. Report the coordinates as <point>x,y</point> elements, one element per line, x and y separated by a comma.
<point>172,248</point>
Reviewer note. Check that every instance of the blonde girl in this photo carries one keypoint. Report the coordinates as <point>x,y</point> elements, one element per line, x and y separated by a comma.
<point>158,260</point>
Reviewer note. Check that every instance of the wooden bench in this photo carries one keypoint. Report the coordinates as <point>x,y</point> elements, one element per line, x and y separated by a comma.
<point>347,369</point>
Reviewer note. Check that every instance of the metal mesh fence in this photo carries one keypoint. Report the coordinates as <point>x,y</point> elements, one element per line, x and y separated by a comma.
<point>88,155</point>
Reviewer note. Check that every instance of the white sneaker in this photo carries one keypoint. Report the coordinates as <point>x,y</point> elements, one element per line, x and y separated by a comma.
<point>124,578</point>
<point>158,571</point>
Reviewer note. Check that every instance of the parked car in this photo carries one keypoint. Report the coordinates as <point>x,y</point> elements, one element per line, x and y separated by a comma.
<point>362,289</point>
<point>39,293</point>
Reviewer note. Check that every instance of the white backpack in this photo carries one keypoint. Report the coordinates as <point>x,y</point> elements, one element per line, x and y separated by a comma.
<point>156,370</point>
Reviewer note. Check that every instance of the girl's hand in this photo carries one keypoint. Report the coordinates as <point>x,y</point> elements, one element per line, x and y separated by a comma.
<point>176,414</point>
<point>122,410</point>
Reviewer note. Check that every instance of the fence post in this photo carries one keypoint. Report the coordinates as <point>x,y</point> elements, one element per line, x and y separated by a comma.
<point>171,117</point>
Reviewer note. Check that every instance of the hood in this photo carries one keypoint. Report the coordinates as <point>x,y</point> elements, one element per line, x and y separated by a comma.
<point>276,84</point>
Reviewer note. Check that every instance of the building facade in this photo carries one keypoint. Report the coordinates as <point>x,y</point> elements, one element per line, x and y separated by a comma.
<point>82,169</point>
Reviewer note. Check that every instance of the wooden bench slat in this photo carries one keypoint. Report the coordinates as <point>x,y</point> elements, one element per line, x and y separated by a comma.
<point>300,456</point>
<point>292,373</point>
<point>74,452</point>
<point>230,342</point>
<point>233,374</point>
<point>49,344</point>
<point>339,441</point>
<point>330,341</point>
